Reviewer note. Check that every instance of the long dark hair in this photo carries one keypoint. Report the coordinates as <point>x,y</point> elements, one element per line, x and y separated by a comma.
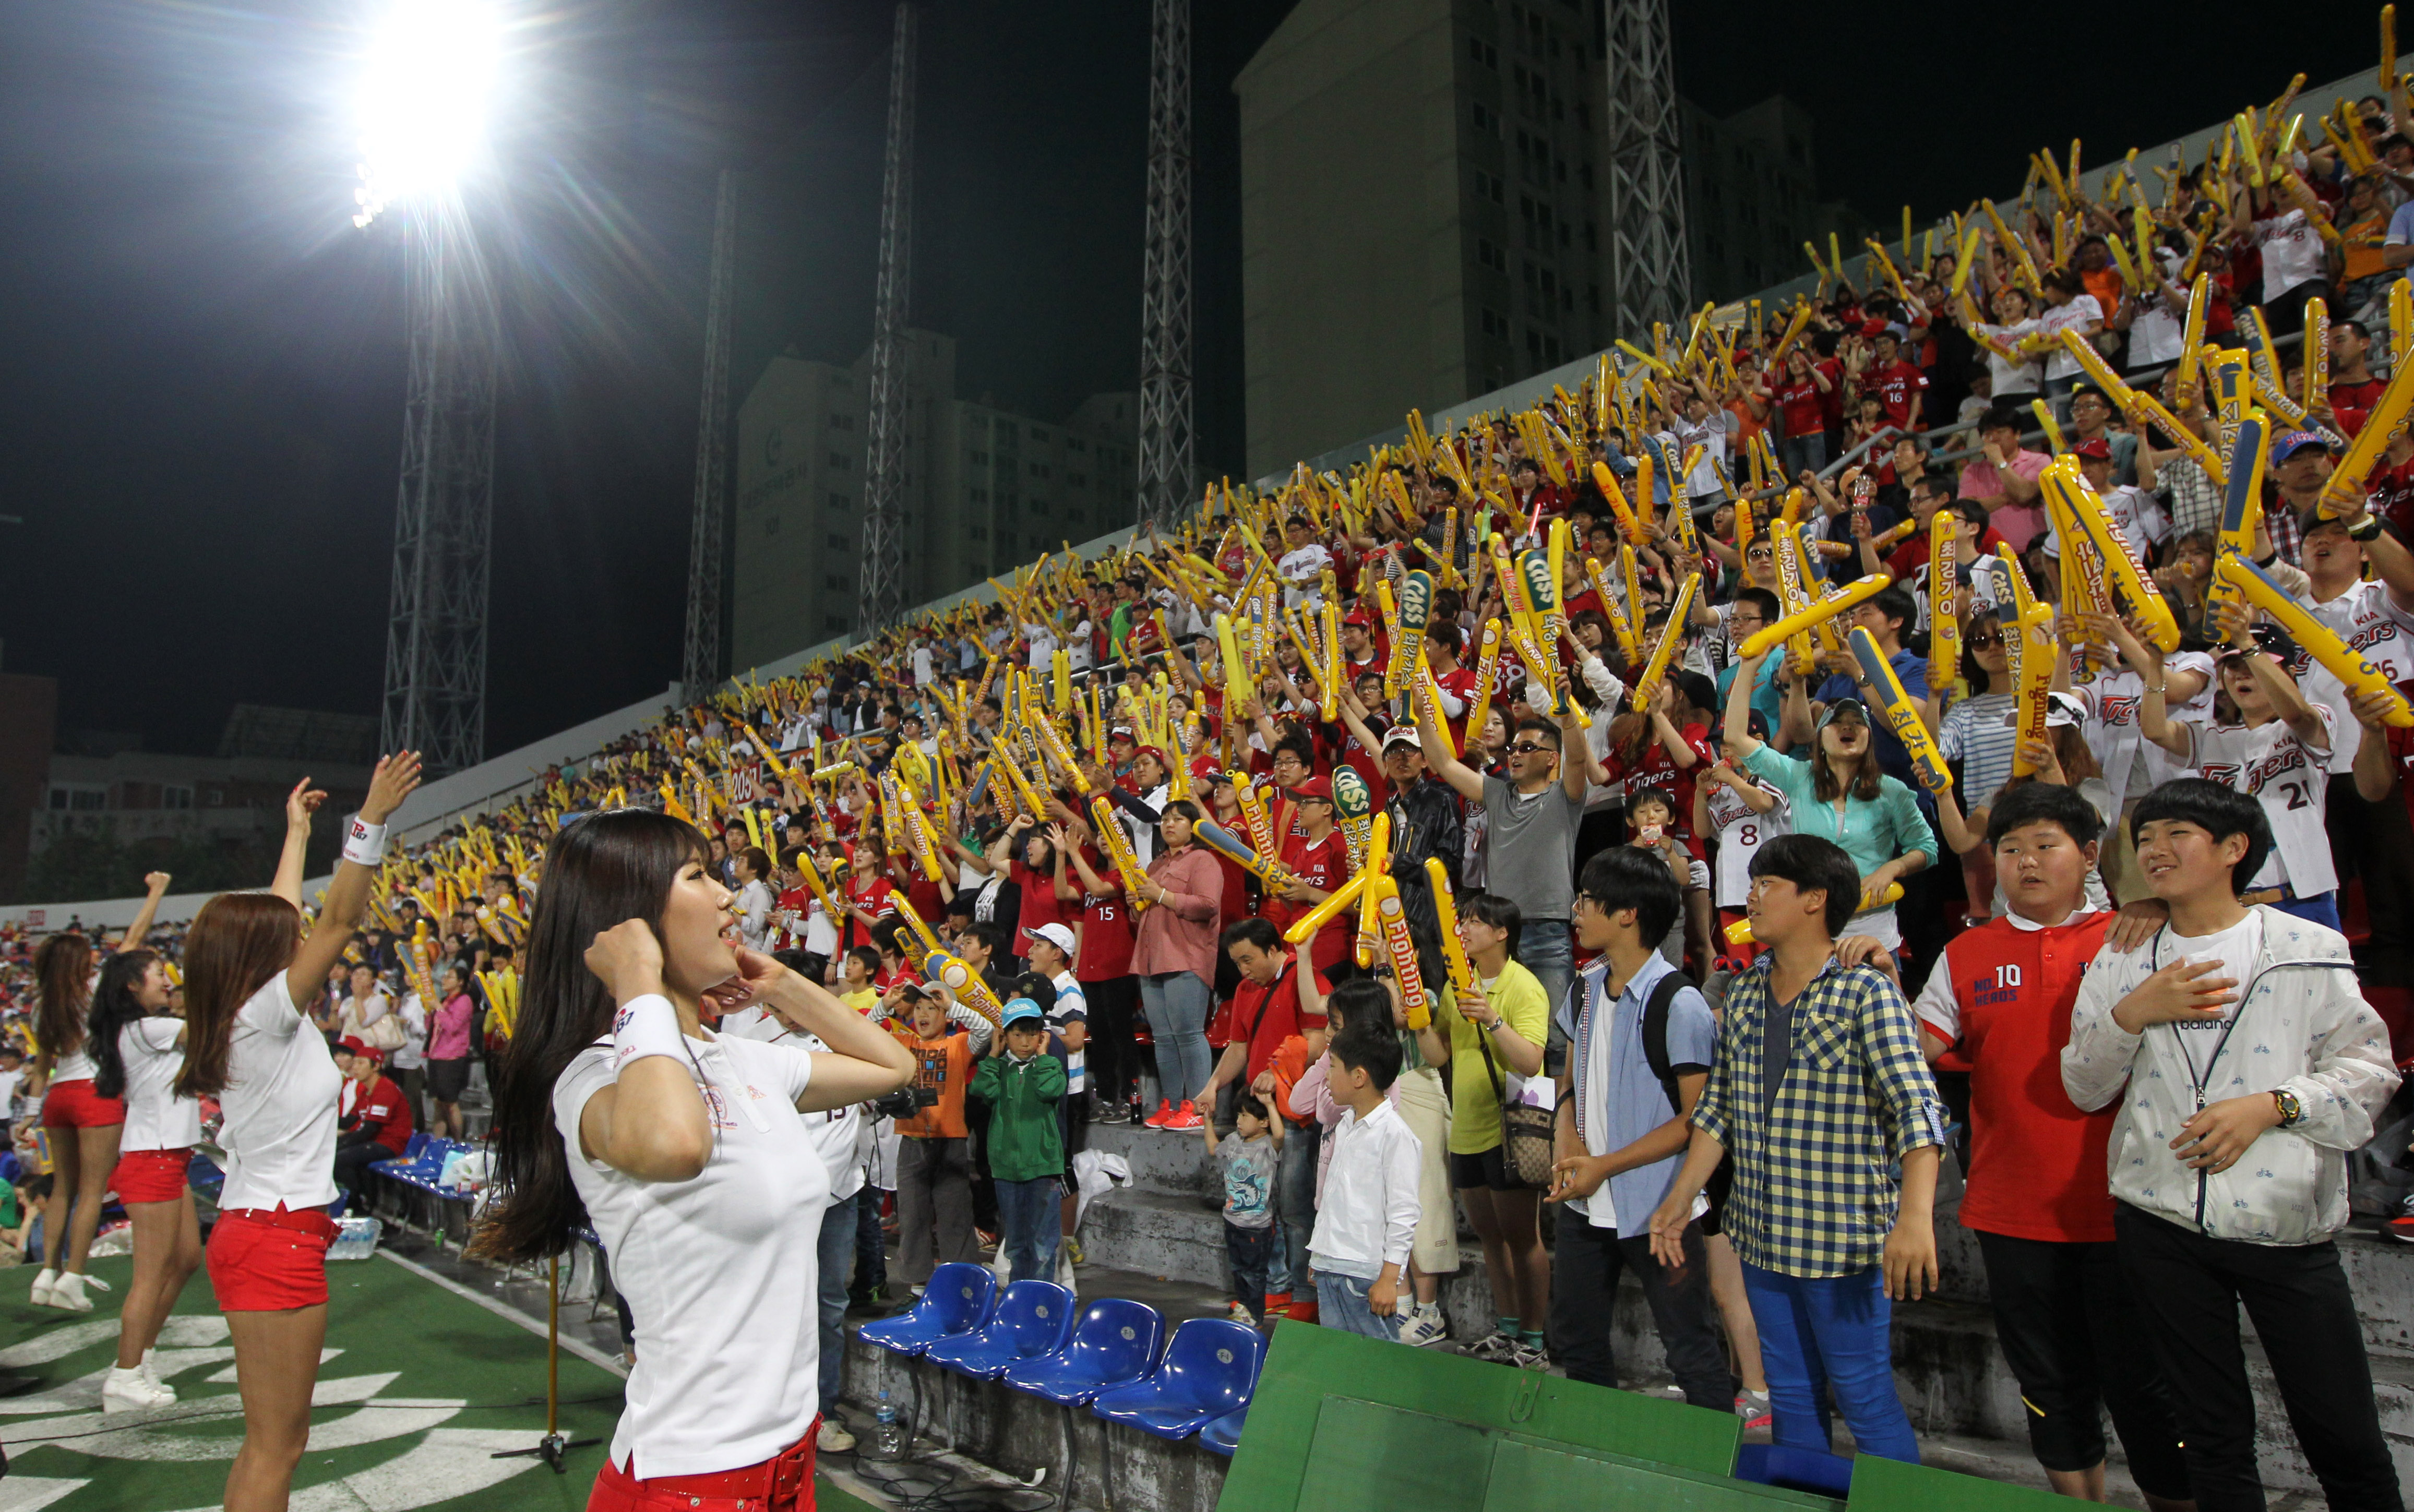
<point>62,967</point>
<point>615,866</point>
<point>113,1007</point>
<point>238,942</point>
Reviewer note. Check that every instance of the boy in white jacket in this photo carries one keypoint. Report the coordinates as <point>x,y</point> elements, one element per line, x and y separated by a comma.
<point>2252,1065</point>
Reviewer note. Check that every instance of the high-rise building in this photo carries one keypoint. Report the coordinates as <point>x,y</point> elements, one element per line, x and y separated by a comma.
<point>1419,210</point>
<point>986,490</point>
<point>1752,199</point>
<point>1422,204</point>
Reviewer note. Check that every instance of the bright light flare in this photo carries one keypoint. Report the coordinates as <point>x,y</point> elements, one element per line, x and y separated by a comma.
<point>428,77</point>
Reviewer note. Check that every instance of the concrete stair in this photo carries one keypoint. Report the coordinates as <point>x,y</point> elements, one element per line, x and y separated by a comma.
<point>1168,1224</point>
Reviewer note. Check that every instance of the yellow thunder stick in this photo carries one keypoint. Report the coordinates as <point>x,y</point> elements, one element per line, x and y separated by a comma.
<point>1306,926</point>
<point>1943,592</point>
<point>1393,921</point>
<point>2342,495</point>
<point>1353,803</point>
<point>1739,932</point>
<point>1901,713</point>
<point>1409,646</point>
<point>1487,664</point>
<point>2086,509</point>
<point>2320,642</point>
<point>1276,878</point>
<point>963,984</point>
<point>2241,505</point>
<point>1119,850</point>
<point>1656,670</point>
<point>1453,950</point>
<point>1850,597</point>
<point>1791,596</point>
<point>2044,412</point>
<point>931,944</point>
<point>2037,653</point>
<point>1628,644</point>
<point>1253,813</point>
<point>2191,332</point>
<point>1378,864</point>
<point>1236,672</point>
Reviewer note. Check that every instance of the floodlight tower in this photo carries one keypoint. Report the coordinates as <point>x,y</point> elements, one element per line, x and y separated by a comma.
<point>430,69</point>
<point>700,662</point>
<point>1649,273</point>
<point>1165,412</point>
<point>880,586</point>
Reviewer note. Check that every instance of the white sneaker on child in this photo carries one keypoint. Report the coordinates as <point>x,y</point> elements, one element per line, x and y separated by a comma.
<point>1424,1327</point>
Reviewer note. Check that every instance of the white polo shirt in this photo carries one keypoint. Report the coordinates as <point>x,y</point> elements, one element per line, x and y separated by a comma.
<point>718,1271</point>
<point>155,1117</point>
<point>279,1133</point>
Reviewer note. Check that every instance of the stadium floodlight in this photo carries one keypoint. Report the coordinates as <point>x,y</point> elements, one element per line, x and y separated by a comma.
<point>430,69</point>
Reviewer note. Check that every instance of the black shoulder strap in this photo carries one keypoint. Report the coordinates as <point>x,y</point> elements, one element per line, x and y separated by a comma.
<point>1655,1031</point>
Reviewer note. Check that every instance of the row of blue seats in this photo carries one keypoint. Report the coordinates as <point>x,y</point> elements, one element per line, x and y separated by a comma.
<point>1028,1338</point>
<point>422,1164</point>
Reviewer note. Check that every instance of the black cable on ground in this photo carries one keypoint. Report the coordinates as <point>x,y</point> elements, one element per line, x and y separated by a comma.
<point>234,1409</point>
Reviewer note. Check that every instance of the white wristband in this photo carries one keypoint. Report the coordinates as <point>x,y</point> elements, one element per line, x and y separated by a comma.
<point>643,1027</point>
<point>364,842</point>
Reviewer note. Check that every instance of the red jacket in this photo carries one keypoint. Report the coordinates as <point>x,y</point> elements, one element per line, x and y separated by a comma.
<point>380,1106</point>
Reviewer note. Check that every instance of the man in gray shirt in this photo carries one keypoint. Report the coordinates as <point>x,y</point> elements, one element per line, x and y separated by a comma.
<point>1531,832</point>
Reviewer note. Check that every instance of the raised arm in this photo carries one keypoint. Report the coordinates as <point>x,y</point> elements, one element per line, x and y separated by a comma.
<point>155,887</point>
<point>1740,741</point>
<point>1442,756</point>
<point>300,805</point>
<point>349,893</point>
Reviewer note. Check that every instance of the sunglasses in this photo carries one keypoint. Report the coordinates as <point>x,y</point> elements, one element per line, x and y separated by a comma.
<point>1979,642</point>
<point>1527,748</point>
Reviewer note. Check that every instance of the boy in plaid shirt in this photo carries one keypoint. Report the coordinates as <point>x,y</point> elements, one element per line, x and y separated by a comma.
<point>1818,1091</point>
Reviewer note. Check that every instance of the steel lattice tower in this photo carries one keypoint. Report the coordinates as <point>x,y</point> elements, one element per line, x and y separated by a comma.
<point>1649,278</point>
<point>436,633</point>
<point>880,592</point>
<point>1165,414</point>
<point>700,664</point>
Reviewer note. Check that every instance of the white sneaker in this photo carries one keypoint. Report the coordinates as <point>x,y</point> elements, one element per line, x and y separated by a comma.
<point>43,1281</point>
<point>150,1367</point>
<point>1423,1327</point>
<point>833,1437</point>
<point>1239,1312</point>
<point>66,1294</point>
<point>127,1391</point>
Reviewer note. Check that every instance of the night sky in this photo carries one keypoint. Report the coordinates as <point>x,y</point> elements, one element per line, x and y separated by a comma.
<point>202,391</point>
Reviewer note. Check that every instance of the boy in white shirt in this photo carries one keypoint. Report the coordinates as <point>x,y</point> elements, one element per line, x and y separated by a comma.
<point>1368,1219</point>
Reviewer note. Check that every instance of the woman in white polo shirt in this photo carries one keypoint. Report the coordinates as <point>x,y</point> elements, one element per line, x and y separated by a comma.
<point>686,1150</point>
<point>137,1048</point>
<point>247,1043</point>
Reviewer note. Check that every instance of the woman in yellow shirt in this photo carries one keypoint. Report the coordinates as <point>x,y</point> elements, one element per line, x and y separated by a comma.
<point>1492,1038</point>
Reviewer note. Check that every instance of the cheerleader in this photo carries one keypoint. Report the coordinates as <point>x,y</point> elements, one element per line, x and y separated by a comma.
<point>137,1047</point>
<point>686,1149</point>
<point>248,1041</point>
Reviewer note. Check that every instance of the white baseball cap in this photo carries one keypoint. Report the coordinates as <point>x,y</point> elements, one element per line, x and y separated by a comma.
<point>1056,934</point>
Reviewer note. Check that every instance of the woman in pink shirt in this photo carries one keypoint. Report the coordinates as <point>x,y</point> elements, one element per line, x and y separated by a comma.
<point>448,1052</point>
<point>1174,957</point>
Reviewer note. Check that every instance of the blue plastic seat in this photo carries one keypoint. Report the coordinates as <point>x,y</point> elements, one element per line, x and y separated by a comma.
<point>955,1300</point>
<point>1223,1435</point>
<point>1113,1343</point>
<point>1031,1321</point>
<point>1210,1371</point>
<point>418,1141</point>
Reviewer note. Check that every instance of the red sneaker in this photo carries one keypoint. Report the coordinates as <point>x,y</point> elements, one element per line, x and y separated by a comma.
<point>1276,1302</point>
<point>1186,1121</point>
<point>1303,1308</point>
<point>1161,1117</point>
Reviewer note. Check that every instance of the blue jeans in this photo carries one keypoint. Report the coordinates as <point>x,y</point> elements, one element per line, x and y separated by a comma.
<point>1830,1332</point>
<point>1803,453</point>
<point>1341,1303</point>
<point>2323,907</point>
<point>1029,1221</point>
<point>1248,1250</point>
<point>830,1257</point>
<point>1176,1004</point>
<point>871,1258</point>
<point>1295,1200</point>
<point>1545,948</point>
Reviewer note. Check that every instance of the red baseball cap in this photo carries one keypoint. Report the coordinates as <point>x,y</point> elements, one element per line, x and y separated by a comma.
<point>1317,788</point>
<point>353,1044</point>
<point>1359,617</point>
<point>2096,450</point>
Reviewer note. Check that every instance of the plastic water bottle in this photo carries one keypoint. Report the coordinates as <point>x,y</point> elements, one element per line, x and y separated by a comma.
<point>887,1438</point>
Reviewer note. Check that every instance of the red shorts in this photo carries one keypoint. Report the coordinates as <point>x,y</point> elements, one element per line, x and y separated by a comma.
<point>783,1483</point>
<point>263,1267</point>
<point>151,1175</point>
<point>71,1105</point>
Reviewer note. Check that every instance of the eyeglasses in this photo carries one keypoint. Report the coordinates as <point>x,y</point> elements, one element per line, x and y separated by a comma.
<point>1586,900</point>
<point>1980,643</point>
<point>1527,748</point>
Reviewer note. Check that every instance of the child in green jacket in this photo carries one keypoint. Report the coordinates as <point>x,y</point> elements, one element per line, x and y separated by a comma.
<point>1022,1083</point>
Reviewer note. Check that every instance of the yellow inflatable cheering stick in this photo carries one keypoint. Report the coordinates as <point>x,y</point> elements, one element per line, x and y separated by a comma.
<point>1944,594</point>
<point>1487,666</point>
<point>1901,713</point>
<point>964,984</point>
<point>1739,932</point>
<point>2342,495</point>
<point>1409,647</point>
<point>1378,861</point>
<point>1629,643</point>
<point>2035,675</point>
<point>1215,837</point>
<point>1453,950</point>
<point>1820,612</point>
<point>1656,671</point>
<point>931,945</point>
<point>2241,504</point>
<point>2124,574</point>
<point>1353,804</point>
<point>1305,926</point>
<point>2320,642</point>
<point>1119,850</point>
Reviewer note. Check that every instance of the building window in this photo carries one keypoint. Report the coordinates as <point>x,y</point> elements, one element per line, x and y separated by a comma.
<point>980,495</point>
<point>834,622</point>
<point>1077,479</point>
<point>1486,120</point>
<point>841,544</point>
<point>842,423</point>
<point>1039,469</point>
<point>841,502</point>
<point>838,460</point>
<point>1495,323</point>
<point>980,458</point>
<point>1592,297</point>
<point>1484,52</point>
<point>770,525</point>
<point>980,532</point>
<point>833,582</point>
<point>176,798</point>
<point>1491,256</point>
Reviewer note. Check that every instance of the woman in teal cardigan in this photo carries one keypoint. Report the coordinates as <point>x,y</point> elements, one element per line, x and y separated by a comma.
<point>1839,794</point>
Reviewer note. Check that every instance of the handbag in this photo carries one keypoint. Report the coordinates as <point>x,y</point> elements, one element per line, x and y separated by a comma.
<point>384,1033</point>
<point>1526,1132</point>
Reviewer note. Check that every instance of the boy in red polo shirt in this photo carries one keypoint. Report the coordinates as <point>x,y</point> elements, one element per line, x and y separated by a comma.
<point>1318,855</point>
<point>1998,1004</point>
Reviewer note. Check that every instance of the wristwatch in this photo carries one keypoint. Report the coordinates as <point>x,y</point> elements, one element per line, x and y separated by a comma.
<point>2291,1111</point>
